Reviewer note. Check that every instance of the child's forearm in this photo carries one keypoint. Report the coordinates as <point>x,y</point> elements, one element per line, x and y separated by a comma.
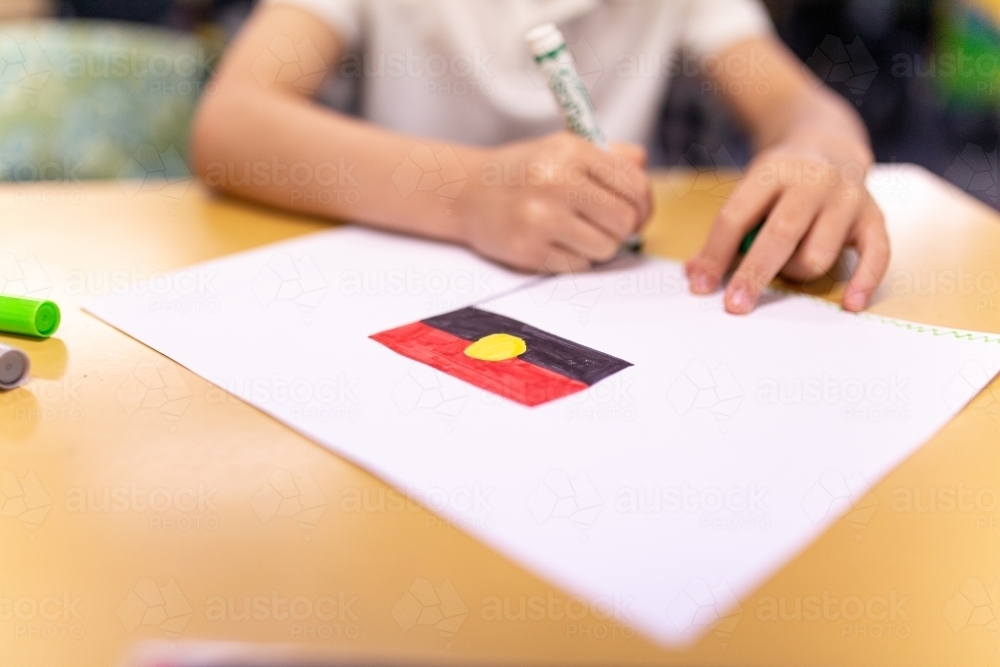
<point>821,120</point>
<point>779,101</point>
<point>291,153</point>
<point>258,134</point>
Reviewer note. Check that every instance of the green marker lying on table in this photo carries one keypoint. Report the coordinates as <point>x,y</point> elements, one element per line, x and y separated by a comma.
<point>28,317</point>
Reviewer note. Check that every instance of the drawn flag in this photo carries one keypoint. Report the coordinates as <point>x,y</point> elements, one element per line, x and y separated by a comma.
<point>501,355</point>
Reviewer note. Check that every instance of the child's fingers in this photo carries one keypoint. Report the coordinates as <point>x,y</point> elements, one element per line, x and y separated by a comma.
<point>872,242</point>
<point>739,215</point>
<point>821,247</point>
<point>628,183</point>
<point>632,152</point>
<point>605,209</point>
<point>777,240</point>
<point>559,261</point>
<point>586,239</point>
<point>623,176</point>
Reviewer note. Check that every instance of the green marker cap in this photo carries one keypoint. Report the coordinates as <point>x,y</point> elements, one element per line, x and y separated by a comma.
<point>28,317</point>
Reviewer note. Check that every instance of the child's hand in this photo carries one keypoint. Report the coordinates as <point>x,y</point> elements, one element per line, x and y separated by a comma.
<point>554,204</point>
<point>813,193</point>
<point>808,180</point>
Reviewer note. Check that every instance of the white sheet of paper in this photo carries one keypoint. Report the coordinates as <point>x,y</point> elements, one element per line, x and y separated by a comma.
<point>663,493</point>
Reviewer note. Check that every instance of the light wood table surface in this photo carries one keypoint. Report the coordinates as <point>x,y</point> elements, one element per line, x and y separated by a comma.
<point>180,462</point>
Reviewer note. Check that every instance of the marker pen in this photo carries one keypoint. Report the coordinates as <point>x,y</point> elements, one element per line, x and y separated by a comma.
<point>28,317</point>
<point>548,46</point>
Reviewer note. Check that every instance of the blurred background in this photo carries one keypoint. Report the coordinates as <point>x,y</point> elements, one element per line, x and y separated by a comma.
<point>105,88</point>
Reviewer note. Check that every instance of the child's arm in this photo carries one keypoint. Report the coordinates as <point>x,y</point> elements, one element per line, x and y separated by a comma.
<point>808,179</point>
<point>258,134</point>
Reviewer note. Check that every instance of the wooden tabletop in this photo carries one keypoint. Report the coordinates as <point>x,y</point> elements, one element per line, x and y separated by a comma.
<point>140,502</point>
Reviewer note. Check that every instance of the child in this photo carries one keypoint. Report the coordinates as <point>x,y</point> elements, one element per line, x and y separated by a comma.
<point>461,138</point>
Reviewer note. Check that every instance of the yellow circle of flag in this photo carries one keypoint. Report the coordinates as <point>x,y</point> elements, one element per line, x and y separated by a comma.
<point>496,347</point>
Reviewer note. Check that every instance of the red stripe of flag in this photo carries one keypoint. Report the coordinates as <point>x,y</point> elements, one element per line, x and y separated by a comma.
<point>511,378</point>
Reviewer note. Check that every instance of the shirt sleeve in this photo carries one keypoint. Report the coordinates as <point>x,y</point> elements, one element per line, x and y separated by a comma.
<point>341,15</point>
<point>714,25</point>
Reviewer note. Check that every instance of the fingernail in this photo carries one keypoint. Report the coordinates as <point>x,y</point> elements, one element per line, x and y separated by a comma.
<point>855,301</point>
<point>738,300</point>
<point>703,283</point>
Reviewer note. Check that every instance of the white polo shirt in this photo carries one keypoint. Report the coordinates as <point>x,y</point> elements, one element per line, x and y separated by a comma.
<point>459,70</point>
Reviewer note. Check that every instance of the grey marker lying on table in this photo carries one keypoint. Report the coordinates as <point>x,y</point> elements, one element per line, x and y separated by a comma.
<point>14,367</point>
